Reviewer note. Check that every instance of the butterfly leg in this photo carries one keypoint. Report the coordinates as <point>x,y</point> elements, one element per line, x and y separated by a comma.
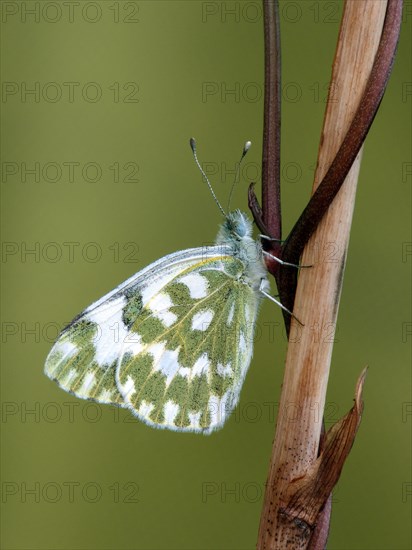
<point>272,239</point>
<point>267,295</point>
<point>282,262</point>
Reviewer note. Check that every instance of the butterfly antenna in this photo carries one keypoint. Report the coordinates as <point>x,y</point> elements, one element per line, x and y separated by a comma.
<point>194,151</point>
<point>246,148</point>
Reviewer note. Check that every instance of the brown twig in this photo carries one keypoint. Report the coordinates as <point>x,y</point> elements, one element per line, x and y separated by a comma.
<point>271,124</point>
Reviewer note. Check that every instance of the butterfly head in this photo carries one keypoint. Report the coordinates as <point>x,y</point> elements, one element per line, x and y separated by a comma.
<point>236,226</point>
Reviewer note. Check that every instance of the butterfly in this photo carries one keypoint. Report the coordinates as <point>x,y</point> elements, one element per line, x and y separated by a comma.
<point>172,343</point>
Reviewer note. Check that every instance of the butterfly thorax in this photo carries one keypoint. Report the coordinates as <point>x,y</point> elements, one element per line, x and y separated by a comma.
<point>236,232</point>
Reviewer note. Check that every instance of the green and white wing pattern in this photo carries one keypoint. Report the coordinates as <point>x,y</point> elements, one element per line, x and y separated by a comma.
<point>192,346</point>
<point>172,343</point>
<point>84,358</point>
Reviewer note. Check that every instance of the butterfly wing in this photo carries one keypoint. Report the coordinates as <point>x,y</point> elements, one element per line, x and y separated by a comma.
<point>83,360</point>
<point>189,348</point>
<point>172,343</point>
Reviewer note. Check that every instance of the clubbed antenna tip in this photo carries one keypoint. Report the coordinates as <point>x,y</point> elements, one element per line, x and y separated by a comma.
<point>246,147</point>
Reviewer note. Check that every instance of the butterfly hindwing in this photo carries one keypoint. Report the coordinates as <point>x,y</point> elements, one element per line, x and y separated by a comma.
<point>192,345</point>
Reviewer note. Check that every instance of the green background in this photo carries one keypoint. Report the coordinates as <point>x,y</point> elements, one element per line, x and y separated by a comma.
<point>100,479</point>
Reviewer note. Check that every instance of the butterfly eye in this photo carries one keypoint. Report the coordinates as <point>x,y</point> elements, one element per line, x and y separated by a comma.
<point>240,229</point>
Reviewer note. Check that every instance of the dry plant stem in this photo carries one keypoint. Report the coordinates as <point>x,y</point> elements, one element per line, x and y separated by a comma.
<point>298,430</point>
<point>271,124</point>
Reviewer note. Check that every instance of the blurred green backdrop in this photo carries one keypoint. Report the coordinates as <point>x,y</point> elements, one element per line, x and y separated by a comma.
<point>99,100</point>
